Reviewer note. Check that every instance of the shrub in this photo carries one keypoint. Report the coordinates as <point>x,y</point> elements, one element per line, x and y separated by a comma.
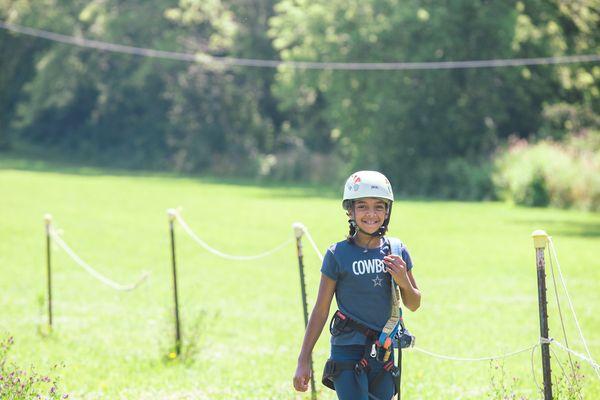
<point>560,174</point>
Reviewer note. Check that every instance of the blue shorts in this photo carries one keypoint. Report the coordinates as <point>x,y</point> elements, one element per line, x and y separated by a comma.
<point>350,386</point>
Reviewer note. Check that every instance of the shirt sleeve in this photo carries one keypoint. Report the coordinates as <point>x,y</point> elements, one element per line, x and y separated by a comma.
<point>406,258</point>
<point>330,267</point>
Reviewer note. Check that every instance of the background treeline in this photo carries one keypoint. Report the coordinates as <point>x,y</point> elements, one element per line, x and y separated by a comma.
<point>443,133</point>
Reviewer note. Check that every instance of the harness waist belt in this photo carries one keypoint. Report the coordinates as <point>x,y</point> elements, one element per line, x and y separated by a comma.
<point>341,323</point>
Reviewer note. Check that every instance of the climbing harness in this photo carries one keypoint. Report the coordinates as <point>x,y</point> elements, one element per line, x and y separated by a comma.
<point>379,345</point>
<point>374,350</point>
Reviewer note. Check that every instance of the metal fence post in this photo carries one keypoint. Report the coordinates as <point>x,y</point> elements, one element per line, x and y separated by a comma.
<point>298,232</point>
<point>48,222</point>
<point>540,239</point>
<point>171,214</point>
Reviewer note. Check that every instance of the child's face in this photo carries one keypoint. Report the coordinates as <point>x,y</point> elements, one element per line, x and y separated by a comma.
<point>369,213</point>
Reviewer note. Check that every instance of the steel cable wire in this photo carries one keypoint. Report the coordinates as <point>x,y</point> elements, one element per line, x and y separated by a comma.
<point>317,65</point>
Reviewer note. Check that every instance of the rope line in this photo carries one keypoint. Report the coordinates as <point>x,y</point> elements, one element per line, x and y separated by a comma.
<point>437,355</point>
<point>572,380</point>
<point>318,65</point>
<point>79,261</point>
<point>489,358</point>
<point>589,357</point>
<point>312,242</point>
<point>562,323</point>
<point>588,360</point>
<point>540,389</point>
<point>219,253</point>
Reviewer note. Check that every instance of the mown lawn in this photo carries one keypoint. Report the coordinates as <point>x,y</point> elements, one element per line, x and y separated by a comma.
<point>474,263</point>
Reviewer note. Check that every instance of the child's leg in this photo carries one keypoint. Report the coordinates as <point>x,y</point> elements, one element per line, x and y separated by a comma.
<point>348,385</point>
<point>385,389</point>
<point>382,387</point>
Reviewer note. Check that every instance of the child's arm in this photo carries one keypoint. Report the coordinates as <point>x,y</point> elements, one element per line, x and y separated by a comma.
<point>316,322</point>
<point>411,295</point>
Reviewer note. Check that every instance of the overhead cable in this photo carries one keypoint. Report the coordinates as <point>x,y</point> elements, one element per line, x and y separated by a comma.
<point>204,58</point>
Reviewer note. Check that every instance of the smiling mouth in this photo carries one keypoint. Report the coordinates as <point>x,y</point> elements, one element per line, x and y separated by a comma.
<point>371,223</point>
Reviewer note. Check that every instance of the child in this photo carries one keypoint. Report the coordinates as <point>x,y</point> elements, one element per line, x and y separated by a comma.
<point>359,271</point>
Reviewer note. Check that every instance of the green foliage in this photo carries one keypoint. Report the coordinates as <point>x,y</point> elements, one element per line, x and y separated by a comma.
<point>128,111</point>
<point>501,386</point>
<point>536,192</point>
<point>560,174</point>
<point>22,384</point>
<point>564,119</point>
<point>410,124</point>
<point>569,385</point>
<point>434,131</point>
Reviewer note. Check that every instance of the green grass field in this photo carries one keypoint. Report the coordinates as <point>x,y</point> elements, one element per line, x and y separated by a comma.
<point>474,263</point>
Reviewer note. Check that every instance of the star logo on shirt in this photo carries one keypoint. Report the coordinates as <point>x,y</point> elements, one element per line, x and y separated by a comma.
<point>377,281</point>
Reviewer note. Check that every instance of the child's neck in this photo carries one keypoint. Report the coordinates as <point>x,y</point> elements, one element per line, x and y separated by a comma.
<point>366,241</point>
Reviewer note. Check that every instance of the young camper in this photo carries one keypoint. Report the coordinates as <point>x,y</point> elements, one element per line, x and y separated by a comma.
<point>369,274</point>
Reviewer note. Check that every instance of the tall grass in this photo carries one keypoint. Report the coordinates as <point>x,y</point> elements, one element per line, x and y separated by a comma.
<point>550,173</point>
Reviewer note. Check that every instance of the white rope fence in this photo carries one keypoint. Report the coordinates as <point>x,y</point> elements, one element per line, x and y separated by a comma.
<point>177,215</point>
<point>298,226</point>
<point>325,65</point>
<point>468,359</point>
<point>589,357</point>
<point>588,360</point>
<point>79,261</point>
<point>437,355</point>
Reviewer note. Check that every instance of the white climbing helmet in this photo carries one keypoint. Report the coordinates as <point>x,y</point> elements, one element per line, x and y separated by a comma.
<point>367,184</point>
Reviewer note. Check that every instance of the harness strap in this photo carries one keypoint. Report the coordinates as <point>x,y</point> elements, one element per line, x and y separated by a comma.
<point>390,368</point>
<point>391,326</point>
<point>343,323</point>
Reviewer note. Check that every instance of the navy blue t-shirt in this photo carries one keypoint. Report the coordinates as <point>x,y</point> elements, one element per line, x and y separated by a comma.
<point>363,288</point>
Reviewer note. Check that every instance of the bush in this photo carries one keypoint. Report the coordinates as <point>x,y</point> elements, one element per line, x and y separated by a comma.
<point>456,178</point>
<point>559,174</point>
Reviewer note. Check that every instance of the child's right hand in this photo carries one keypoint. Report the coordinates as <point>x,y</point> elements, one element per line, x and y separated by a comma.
<point>302,377</point>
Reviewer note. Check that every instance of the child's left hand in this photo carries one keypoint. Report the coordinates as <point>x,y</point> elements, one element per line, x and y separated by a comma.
<point>397,268</point>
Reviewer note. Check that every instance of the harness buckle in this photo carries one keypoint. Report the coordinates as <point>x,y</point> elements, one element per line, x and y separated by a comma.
<point>360,366</point>
<point>405,339</point>
<point>374,350</point>
<point>338,324</point>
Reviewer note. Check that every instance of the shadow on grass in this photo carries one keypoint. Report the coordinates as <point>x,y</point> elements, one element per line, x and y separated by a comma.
<point>565,228</point>
<point>285,189</point>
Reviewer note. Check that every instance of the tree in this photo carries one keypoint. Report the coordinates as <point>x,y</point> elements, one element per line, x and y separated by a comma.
<point>431,131</point>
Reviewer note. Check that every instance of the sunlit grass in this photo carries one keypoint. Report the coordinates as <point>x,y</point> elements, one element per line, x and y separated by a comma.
<point>473,261</point>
